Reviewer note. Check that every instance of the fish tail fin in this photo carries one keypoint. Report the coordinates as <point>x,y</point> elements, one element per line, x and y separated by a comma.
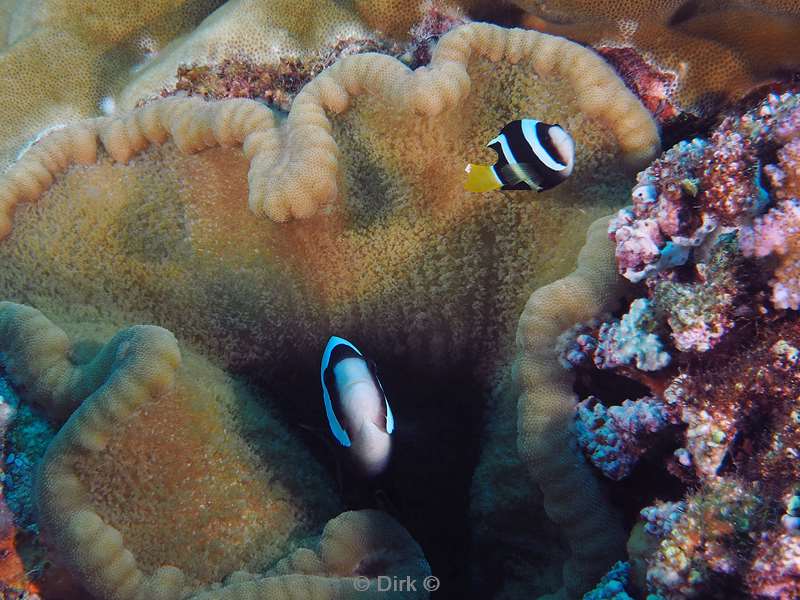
<point>481,178</point>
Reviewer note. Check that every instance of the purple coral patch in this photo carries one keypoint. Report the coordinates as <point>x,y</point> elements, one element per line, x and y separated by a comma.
<point>614,438</point>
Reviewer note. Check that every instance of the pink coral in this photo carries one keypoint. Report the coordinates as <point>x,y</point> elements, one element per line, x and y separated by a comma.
<point>700,188</point>
<point>703,541</point>
<point>775,572</point>
<point>638,245</point>
<point>700,313</point>
<point>615,438</point>
<point>728,174</point>
<point>778,233</point>
<point>730,205</point>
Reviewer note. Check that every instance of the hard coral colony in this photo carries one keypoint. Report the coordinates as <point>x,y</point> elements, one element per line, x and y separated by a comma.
<point>197,195</point>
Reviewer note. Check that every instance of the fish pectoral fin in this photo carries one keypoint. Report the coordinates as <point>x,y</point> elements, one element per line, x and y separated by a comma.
<point>519,172</point>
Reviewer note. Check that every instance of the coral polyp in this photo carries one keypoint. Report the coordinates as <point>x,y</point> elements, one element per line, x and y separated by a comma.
<point>196,194</point>
<point>721,416</point>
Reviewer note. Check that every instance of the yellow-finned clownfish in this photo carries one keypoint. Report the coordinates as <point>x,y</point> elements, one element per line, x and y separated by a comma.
<point>531,155</point>
<point>356,406</point>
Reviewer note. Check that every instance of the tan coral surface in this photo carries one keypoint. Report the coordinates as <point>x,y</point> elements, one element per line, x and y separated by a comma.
<point>167,475</point>
<point>547,440</point>
<point>59,59</point>
<point>718,49</point>
<point>404,261</point>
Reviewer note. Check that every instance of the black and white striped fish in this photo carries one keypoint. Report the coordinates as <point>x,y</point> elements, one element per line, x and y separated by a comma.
<point>531,155</point>
<point>356,406</point>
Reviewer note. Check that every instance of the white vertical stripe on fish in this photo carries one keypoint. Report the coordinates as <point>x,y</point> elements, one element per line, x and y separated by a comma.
<point>529,131</point>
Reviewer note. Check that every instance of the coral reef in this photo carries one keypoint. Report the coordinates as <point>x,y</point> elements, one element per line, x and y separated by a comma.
<point>705,541</point>
<point>13,580</point>
<point>612,585</point>
<point>614,438</point>
<point>700,188</point>
<point>721,413</point>
<point>631,339</point>
<point>693,55</point>
<point>547,440</point>
<point>143,217</point>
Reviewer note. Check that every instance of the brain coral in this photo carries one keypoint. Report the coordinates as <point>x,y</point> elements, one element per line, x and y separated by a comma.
<point>428,277</point>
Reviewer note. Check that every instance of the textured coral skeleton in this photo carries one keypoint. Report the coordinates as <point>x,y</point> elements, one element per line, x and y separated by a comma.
<point>721,415</point>
<point>259,293</point>
<point>690,55</point>
<point>303,176</point>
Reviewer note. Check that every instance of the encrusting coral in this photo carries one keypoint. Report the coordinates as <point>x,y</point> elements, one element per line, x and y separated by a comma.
<point>59,59</point>
<point>280,181</point>
<point>720,416</point>
<point>152,440</point>
<point>547,437</point>
<point>706,52</point>
<point>167,237</point>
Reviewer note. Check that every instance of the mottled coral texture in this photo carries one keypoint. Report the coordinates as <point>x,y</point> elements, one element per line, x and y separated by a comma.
<point>145,217</point>
<point>690,55</point>
<point>162,451</point>
<point>727,401</point>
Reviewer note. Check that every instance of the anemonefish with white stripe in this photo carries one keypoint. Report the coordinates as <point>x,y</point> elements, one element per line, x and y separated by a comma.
<point>531,155</point>
<point>356,406</point>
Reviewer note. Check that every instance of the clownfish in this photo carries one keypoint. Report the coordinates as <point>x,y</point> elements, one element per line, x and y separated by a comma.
<point>356,406</point>
<point>531,155</point>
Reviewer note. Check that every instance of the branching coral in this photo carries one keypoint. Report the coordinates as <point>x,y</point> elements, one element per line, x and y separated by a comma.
<point>612,586</point>
<point>614,438</point>
<point>631,340</point>
<point>731,390</point>
<point>705,541</point>
<point>703,187</point>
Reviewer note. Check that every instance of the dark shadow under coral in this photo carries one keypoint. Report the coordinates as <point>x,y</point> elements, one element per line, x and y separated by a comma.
<point>435,451</point>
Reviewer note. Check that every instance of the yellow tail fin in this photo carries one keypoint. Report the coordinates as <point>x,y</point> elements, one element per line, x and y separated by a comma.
<point>481,178</point>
